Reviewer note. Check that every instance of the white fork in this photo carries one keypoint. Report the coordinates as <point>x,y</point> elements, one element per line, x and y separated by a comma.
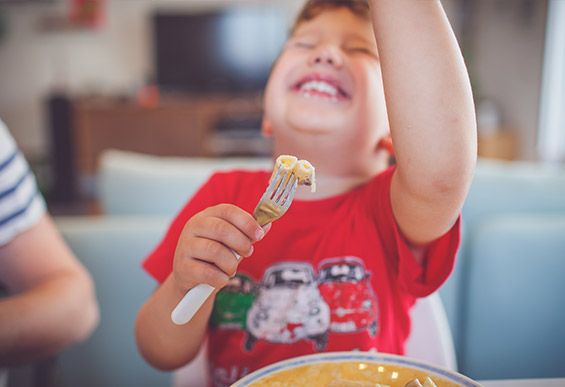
<point>272,205</point>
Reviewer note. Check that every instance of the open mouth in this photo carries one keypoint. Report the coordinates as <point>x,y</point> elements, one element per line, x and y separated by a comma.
<point>322,87</point>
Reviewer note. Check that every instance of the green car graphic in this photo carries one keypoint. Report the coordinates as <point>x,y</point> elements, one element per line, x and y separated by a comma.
<point>233,302</point>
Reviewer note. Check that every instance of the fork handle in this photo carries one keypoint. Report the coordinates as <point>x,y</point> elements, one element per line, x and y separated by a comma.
<point>192,301</point>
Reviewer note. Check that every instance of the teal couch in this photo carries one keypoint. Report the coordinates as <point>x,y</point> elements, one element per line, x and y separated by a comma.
<point>111,248</point>
<point>514,304</point>
<point>503,300</point>
<point>504,295</point>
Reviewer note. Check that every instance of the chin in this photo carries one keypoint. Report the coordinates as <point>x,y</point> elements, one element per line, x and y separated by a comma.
<point>314,129</point>
<point>320,123</point>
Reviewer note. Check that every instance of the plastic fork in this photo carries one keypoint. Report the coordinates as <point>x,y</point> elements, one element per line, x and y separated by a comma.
<point>273,204</point>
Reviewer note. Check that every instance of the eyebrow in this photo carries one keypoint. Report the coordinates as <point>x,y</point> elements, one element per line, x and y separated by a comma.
<point>305,34</point>
<point>355,38</point>
<point>349,38</point>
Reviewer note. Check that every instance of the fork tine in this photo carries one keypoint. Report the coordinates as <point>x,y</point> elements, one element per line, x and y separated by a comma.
<point>274,181</point>
<point>288,192</point>
<point>283,181</point>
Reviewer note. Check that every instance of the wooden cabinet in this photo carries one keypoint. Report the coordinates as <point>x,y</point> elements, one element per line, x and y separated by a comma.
<point>175,127</point>
<point>499,145</point>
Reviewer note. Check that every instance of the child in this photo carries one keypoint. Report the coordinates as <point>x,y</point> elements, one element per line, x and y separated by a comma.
<point>342,268</point>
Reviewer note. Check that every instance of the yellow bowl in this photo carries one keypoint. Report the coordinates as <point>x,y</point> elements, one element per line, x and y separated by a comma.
<point>352,369</point>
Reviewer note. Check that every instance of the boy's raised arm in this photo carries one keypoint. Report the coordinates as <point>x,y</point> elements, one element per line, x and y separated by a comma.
<point>431,115</point>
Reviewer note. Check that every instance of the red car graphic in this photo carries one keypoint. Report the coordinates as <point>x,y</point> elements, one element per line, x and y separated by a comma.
<point>345,286</point>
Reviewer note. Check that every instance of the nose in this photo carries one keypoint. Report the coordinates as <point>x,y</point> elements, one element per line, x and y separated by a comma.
<point>326,55</point>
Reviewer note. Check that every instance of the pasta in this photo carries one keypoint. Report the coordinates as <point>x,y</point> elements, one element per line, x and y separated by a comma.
<point>302,169</point>
<point>351,374</point>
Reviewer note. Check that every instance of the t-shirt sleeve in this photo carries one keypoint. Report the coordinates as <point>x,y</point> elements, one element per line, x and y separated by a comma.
<point>159,263</point>
<point>21,204</point>
<point>417,279</point>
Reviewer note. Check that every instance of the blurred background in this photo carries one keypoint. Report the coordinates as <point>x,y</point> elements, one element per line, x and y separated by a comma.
<point>168,77</point>
<point>184,77</point>
<point>124,107</point>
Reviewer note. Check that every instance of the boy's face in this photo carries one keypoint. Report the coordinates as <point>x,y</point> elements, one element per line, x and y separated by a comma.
<point>327,80</point>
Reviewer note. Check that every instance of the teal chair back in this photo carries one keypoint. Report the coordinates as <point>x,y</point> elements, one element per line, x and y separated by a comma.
<point>513,322</point>
<point>112,249</point>
<point>498,188</point>
<point>131,183</point>
<point>514,187</point>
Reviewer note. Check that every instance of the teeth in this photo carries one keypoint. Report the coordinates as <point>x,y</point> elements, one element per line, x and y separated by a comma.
<point>319,86</point>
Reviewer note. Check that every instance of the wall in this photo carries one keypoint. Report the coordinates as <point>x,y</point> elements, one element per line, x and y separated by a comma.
<point>112,59</point>
<point>503,50</point>
<point>506,41</point>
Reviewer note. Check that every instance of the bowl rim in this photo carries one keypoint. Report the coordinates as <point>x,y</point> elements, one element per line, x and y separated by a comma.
<point>374,357</point>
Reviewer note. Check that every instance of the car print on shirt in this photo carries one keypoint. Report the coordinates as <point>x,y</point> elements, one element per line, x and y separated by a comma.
<point>233,302</point>
<point>288,308</point>
<point>345,285</point>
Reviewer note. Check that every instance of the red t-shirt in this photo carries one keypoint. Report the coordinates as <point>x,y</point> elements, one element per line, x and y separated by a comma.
<point>331,275</point>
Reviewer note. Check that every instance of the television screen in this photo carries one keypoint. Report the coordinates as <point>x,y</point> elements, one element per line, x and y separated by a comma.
<point>227,50</point>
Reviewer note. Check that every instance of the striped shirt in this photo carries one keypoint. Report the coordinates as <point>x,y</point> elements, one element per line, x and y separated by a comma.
<point>21,204</point>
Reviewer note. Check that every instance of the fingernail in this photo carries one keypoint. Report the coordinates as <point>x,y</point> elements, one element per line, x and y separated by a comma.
<point>251,251</point>
<point>259,234</point>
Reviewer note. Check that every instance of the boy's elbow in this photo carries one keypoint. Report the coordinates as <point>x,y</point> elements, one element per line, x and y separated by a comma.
<point>448,191</point>
<point>455,184</point>
<point>453,177</point>
<point>443,185</point>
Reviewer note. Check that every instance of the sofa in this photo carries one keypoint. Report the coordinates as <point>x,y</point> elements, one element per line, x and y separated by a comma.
<point>503,300</point>
<point>111,249</point>
<point>503,294</point>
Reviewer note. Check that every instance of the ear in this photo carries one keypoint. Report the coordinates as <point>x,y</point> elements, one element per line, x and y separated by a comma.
<point>266,128</point>
<point>386,144</point>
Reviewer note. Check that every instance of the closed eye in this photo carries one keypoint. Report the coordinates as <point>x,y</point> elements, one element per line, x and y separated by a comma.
<point>362,50</point>
<point>305,45</point>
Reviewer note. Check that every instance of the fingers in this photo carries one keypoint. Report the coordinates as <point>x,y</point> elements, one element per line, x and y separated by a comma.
<point>206,248</point>
<point>215,253</point>
<point>267,227</point>
<point>229,225</point>
<point>193,272</point>
<point>219,230</point>
<point>239,218</point>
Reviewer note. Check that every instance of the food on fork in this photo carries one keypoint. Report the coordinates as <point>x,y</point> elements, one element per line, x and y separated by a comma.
<point>285,163</point>
<point>306,174</point>
<point>304,171</point>
<point>273,204</point>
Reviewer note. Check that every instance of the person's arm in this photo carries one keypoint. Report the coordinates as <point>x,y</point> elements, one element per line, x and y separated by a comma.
<point>204,254</point>
<point>51,302</point>
<point>162,343</point>
<point>431,115</point>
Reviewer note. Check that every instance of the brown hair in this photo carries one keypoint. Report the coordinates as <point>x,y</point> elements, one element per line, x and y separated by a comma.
<point>313,8</point>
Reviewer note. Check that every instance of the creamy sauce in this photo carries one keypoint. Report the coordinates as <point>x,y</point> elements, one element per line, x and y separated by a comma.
<point>343,374</point>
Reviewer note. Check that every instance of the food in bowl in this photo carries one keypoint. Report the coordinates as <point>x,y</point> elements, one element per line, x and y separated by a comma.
<point>349,374</point>
<point>354,368</point>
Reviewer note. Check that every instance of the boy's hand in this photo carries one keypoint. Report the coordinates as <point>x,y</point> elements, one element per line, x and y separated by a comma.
<point>207,246</point>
